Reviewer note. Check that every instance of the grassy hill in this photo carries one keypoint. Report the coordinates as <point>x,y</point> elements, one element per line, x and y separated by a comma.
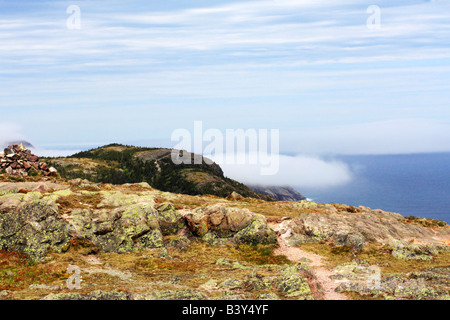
<point>119,164</point>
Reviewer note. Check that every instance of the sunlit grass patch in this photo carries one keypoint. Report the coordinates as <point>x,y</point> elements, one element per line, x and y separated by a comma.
<point>79,201</point>
<point>260,254</point>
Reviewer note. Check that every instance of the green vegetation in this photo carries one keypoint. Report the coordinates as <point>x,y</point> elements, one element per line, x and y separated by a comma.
<point>426,222</point>
<point>119,164</point>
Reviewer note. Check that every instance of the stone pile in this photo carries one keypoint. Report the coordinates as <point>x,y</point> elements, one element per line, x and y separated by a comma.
<point>16,160</point>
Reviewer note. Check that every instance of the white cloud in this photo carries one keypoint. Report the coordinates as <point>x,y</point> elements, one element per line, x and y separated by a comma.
<point>8,133</point>
<point>302,171</point>
<point>11,132</point>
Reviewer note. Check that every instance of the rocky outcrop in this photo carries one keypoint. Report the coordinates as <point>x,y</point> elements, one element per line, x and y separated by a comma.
<point>219,223</point>
<point>121,295</point>
<point>431,283</point>
<point>33,222</point>
<point>16,160</point>
<point>286,193</point>
<point>355,227</point>
<point>293,282</point>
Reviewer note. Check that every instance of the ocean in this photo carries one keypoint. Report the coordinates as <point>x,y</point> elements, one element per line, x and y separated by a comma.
<point>412,185</point>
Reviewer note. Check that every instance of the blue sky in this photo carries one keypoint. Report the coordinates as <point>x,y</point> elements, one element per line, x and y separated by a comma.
<point>137,70</point>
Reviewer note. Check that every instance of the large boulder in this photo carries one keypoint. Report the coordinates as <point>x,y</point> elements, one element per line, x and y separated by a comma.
<point>33,228</point>
<point>292,281</point>
<point>122,229</point>
<point>217,222</point>
<point>170,220</point>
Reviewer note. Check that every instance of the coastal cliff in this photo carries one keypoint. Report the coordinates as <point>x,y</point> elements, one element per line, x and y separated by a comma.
<point>285,193</point>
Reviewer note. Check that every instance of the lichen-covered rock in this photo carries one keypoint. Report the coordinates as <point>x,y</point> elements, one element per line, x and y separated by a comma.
<point>431,284</point>
<point>33,228</point>
<point>94,295</point>
<point>267,296</point>
<point>114,199</point>
<point>258,282</point>
<point>354,240</point>
<point>256,233</point>
<point>292,283</point>
<point>232,284</point>
<point>231,264</point>
<point>123,229</point>
<point>414,252</point>
<point>127,229</point>
<point>180,240</point>
<point>185,294</point>
<point>9,201</point>
<point>170,220</point>
<point>356,227</point>
<point>215,223</point>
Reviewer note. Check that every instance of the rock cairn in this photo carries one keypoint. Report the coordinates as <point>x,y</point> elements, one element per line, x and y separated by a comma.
<point>16,160</point>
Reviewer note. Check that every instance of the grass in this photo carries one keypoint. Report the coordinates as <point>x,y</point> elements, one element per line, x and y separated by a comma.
<point>276,209</point>
<point>192,202</point>
<point>193,266</point>
<point>79,201</point>
<point>260,254</point>
<point>18,272</point>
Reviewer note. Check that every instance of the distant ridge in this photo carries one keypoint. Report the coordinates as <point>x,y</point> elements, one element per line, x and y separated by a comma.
<point>119,164</point>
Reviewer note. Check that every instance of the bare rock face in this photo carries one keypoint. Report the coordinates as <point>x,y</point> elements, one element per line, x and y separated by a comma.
<point>16,160</point>
<point>429,284</point>
<point>358,228</point>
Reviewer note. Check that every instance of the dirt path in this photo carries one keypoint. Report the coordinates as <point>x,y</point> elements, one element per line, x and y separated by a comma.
<point>322,274</point>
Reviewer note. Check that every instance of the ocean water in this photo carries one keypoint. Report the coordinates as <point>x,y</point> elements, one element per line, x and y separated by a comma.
<point>412,185</point>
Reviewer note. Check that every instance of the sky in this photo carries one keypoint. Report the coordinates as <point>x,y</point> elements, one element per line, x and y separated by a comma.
<point>334,77</point>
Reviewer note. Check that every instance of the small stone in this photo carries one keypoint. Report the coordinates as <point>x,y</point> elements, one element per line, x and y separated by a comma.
<point>52,171</point>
